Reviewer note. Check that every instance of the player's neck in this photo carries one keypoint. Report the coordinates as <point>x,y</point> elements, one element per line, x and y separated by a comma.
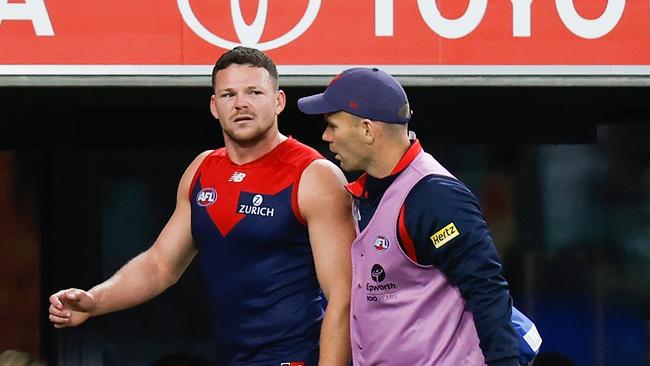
<point>242,153</point>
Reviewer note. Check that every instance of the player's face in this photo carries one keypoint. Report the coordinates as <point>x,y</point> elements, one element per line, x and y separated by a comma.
<point>246,103</point>
<point>343,133</point>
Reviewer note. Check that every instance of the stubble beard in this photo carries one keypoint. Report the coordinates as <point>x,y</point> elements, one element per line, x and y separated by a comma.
<point>248,140</point>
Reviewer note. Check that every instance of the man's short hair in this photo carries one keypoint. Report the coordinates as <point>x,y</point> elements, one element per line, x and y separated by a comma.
<point>246,56</point>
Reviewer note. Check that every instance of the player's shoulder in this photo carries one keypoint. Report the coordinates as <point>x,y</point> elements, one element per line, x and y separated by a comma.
<point>321,189</point>
<point>191,172</point>
<point>321,176</point>
<point>193,167</point>
<point>322,167</point>
<point>200,158</point>
<point>209,156</point>
<point>296,153</point>
<point>217,153</point>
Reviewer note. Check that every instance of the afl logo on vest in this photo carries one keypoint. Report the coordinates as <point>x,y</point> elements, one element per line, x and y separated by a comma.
<point>381,243</point>
<point>206,197</point>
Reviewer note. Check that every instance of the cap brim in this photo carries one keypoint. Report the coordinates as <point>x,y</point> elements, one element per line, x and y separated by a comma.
<point>316,104</point>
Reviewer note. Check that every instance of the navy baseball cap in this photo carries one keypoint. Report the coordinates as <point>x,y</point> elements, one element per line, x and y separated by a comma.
<point>364,92</point>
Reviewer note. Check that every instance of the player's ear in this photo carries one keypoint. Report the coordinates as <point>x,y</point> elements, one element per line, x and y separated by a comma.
<point>213,106</point>
<point>280,101</point>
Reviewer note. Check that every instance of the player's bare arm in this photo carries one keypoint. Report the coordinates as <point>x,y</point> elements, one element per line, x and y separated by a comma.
<point>326,206</point>
<point>143,277</point>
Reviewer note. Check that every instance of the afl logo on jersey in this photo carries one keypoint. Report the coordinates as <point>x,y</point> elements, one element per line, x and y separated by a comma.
<point>381,243</point>
<point>206,197</point>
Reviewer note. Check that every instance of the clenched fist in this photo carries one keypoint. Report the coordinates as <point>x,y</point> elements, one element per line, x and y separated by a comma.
<point>71,307</point>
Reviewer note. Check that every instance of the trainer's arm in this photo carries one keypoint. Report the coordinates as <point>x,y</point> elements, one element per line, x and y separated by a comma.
<point>144,276</point>
<point>327,208</point>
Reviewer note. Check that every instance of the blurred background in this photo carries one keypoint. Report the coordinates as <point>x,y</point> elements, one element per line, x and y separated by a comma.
<point>88,177</point>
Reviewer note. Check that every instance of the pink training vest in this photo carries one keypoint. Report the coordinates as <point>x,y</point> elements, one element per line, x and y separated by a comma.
<point>403,313</point>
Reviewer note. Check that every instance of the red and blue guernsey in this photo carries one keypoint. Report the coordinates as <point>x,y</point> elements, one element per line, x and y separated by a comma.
<point>253,246</point>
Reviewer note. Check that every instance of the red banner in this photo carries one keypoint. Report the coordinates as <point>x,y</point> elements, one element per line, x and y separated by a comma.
<point>424,36</point>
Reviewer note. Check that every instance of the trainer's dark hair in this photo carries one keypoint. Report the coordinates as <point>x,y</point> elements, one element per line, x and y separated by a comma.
<point>246,56</point>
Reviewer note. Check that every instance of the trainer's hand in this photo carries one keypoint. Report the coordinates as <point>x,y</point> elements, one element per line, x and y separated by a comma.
<point>71,307</point>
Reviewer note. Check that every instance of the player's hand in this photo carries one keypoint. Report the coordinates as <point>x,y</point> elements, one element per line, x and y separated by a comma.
<point>71,307</point>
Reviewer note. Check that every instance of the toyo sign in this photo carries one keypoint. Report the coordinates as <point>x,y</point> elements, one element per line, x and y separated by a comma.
<point>314,36</point>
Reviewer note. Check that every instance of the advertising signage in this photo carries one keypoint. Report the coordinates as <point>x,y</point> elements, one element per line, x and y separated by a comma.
<point>320,37</point>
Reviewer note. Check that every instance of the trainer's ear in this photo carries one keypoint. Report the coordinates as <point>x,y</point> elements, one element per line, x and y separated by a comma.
<point>368,131</point>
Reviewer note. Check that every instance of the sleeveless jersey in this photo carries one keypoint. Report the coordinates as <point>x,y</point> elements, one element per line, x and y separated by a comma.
<point>396,302</point>
<point>254,250</point>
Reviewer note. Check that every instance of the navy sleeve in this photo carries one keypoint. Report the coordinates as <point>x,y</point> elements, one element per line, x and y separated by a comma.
<point>448,231</point>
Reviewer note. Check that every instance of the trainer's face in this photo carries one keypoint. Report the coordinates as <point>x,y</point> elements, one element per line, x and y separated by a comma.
<point>344,133</point>
<point>246,103</point>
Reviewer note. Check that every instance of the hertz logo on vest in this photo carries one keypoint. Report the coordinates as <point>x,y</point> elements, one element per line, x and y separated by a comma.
<point>445,235</point>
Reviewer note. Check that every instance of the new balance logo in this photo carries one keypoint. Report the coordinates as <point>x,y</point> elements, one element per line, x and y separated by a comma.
<point>237,177</point>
